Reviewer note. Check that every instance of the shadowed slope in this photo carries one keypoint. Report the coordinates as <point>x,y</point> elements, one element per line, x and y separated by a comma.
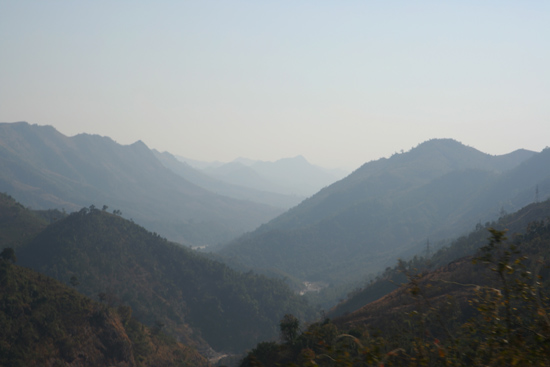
<point>390,207</point>
<point>196,298</point>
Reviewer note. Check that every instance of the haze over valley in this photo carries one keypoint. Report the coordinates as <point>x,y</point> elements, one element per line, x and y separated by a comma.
<point>272,184</point>
<point>85,199</point>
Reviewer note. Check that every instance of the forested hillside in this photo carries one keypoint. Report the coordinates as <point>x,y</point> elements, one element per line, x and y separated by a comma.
<point>18,225</point>
<point>194,297</point>
<point>45,323</point>
<point>487,309</point>
<point>390,208</point>
<point>464,246</point>
<point>44,169</point>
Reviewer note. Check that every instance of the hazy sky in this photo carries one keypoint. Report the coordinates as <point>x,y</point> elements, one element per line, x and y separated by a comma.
<point>340,82</point>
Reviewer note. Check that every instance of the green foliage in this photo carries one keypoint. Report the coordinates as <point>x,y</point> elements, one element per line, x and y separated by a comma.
<point>50,215</point>
<point>467,245</point>
<point>289,326</point>
<point>8,254</point>
<point>18,225</point>
<point>45,323</point>
<point>162,281</point>
<point>498,320</point>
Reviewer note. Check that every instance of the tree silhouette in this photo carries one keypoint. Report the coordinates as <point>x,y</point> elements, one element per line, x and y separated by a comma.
<point>8,254</point>
<point>289,328</point>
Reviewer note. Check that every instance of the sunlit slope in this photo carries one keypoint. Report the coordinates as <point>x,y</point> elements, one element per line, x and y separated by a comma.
<point>46,323</point>
<point>462,247</point>
<point>460,279</point>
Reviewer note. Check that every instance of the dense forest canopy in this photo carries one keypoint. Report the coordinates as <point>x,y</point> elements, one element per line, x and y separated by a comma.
<point>46,323</point>
<point>488,309</point>
<point>195,297</point>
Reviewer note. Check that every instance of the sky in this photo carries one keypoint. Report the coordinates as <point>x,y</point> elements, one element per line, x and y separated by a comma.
<point>339,82</point>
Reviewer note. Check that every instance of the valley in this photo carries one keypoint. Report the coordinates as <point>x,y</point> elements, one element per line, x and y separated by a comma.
<point>89,217</point>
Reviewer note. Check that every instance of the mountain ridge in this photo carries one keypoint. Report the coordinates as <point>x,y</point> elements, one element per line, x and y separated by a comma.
<point>220,187</point>
<point>395,204</point>
<point>289,176</point>
<point>197,299</point>
<point>43,168</point>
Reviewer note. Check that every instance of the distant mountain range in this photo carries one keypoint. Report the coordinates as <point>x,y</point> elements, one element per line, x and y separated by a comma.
<point>386,209</point>
<point>289,176</point>
<point>44,169</point>
<point>409,204</point>
<point>391,208</point>
<point>219,186</point>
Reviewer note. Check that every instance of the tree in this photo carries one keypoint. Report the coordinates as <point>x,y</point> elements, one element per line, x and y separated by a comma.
<point>8,254</point>
<point>74,281</point>
<point>290,326</point>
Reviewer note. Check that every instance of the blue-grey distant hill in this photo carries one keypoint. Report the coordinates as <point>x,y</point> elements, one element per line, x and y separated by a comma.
<point>289,176</point>
<point>43,168</point>
<point>390,208</point>
<point>199,178</point>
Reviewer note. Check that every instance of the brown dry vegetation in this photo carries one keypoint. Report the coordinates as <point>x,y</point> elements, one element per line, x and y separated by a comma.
<point>45,323</point>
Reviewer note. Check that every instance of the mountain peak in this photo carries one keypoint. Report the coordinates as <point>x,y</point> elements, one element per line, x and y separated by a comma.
<point>139,144</point>
<point>298,159</point>
<point>446,150</point>
<point>245,161</point>
<point>440,143</point>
